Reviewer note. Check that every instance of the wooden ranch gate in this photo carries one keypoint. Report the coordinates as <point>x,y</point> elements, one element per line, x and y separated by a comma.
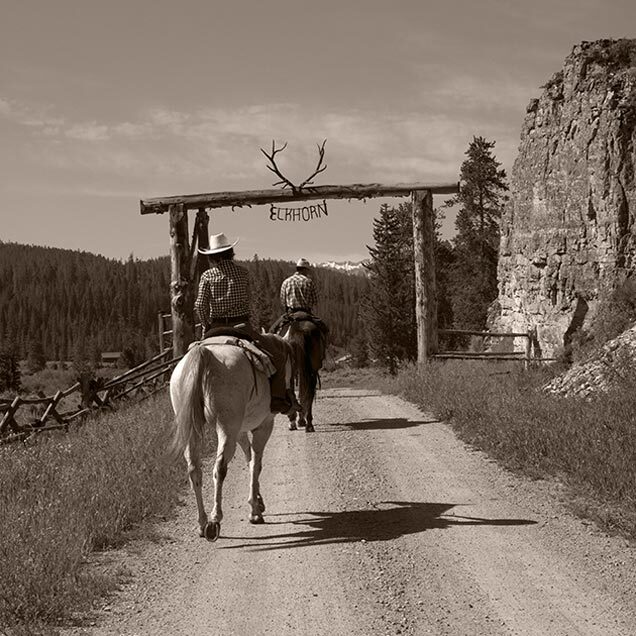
<point>186,266</point>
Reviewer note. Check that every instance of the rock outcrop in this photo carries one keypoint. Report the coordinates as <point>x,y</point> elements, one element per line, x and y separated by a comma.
<point>611,368</point>
<point>568,233</point>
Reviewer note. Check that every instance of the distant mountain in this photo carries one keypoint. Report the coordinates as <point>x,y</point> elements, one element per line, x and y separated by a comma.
<point>349,267</point>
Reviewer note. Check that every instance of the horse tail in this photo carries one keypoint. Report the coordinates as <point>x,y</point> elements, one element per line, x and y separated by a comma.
<point>189,402</point>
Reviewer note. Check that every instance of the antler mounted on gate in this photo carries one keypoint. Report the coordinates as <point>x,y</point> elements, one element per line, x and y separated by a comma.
<point>284,181</point>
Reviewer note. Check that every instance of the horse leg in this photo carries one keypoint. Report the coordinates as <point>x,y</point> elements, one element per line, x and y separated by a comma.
<point>225,452</point>
<point>192,456</point>
<point>292,421</point>
<point>310,405</point>
<point>260,435</point>
<point>244,443</point>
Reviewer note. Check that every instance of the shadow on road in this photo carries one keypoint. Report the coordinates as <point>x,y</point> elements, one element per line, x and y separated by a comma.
<point>342,396</point>
<point>385,521</point>
<point>386,423</point>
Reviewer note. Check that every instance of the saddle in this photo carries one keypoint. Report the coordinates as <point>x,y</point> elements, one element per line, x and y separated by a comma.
<point>232,331</point>
<point>298,316</point>
<point>238,338</point>
<point>305,316</point>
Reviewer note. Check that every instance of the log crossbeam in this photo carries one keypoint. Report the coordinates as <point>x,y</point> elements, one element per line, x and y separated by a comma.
<point>161,205</point>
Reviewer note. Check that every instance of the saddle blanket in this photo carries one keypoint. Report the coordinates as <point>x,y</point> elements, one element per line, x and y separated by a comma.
<point>259,358</point>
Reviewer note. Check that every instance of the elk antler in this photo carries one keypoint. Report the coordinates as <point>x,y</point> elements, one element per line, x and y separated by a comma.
<point>274,168</point>
<point>318,170</point>
<point>286,183</point>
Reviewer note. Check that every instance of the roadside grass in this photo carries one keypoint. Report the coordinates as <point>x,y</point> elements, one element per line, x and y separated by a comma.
<point>69,494</point>
<point>501,409</point>
<point>50,379</point>
<point>364,378</point>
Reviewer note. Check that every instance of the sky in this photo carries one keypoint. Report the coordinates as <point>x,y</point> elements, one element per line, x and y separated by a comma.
<point>106,103</point>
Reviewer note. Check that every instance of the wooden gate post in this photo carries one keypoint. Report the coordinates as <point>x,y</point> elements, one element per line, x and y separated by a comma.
<point>201,232</point>
<point>425,284</point>
<point>199,261</point>
<point>181,297</point>
<point>161,328</point>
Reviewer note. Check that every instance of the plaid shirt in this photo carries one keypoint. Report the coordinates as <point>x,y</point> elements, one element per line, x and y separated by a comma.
<point>223,292</point>
<point>298,291</point>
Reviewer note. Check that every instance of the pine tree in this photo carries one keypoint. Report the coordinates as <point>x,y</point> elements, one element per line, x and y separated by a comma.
<point>473,276</point>
<point>36,360</point>
<point>360,350</point>
<point>10,378</point>
<point>389,307</point>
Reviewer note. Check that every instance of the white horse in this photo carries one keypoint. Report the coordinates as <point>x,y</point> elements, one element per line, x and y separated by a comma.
<point>218,385</point>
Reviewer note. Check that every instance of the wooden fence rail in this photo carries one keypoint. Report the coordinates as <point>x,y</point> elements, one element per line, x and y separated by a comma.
<point>165,334</point>
<point>525,356</point>
<point>95,393</point>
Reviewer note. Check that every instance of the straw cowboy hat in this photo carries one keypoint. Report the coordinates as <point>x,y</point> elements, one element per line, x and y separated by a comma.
<point>218,243</point>
<point>303,262</point>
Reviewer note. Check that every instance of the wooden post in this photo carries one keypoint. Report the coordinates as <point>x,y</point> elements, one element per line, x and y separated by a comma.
<point>425,285</point>
<point>201,231</point>
<point>181,297</point>
<point>532,334</point>
<point>200,261</point>
<point>161,328</point>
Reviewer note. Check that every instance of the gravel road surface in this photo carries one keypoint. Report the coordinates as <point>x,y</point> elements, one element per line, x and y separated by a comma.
<point>380,522</point>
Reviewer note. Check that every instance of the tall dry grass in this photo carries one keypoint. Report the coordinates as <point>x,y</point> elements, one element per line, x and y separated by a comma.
<point>73,493</point>
<point>502,410</point>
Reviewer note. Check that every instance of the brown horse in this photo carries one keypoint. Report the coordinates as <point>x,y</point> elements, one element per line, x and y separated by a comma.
<point>308,344</point>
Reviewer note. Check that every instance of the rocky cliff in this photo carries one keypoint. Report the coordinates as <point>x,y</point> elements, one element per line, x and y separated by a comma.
<point>568,233</point>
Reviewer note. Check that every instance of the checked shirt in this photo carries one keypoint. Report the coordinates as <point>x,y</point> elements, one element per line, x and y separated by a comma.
<point>298,292</point>
<point>223,292</point>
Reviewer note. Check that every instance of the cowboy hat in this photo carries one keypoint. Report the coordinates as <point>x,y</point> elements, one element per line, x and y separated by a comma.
<point>218,243</point>
<point>303,262</point>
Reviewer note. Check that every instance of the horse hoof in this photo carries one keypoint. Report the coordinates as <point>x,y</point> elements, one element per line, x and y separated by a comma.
<point>260,503</point>
<point>310,428</point>
<point>292,426</point>
<point>256,519</point>
<point>301,424</point>
<point>212,531</point>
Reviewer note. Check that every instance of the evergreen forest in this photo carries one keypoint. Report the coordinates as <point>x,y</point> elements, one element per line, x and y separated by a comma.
<point>75,305</point>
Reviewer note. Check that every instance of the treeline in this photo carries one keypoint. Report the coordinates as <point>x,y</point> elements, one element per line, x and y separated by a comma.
<point>73,304</point>
<point>466,267</point>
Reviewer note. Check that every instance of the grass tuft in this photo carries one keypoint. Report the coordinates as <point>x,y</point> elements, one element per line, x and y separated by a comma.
<point>69,494</point>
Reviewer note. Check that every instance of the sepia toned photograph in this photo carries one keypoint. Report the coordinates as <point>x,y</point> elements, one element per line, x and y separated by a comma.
<point>317,318</point>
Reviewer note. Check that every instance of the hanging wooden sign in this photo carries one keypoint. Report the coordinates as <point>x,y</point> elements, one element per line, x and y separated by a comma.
<point>306,213</point>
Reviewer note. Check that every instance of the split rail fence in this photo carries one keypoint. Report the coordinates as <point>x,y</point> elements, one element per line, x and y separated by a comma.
<point>137,383</point>
<point>165,334</point>
<point>506,353</point>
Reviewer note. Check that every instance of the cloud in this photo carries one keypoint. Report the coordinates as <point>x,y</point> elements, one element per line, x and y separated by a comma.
<point>88,132</point>
<point>186,151</point>
<point>28,115</point>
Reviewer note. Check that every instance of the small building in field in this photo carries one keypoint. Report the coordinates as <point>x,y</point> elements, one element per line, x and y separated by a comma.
<point>111,358</point>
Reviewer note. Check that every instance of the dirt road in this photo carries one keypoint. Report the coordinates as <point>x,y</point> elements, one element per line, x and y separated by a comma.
<point>381,522</point>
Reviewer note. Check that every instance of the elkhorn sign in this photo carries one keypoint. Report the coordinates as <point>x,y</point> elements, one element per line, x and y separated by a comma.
<point>306,213</point>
